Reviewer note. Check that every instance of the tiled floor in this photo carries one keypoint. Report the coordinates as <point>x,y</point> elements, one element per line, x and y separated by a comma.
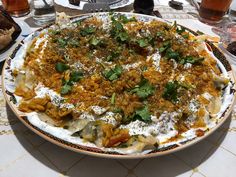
<point>25,154</point>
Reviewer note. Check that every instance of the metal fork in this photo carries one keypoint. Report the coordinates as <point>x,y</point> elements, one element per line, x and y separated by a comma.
<point>92,1</point>
<point>96,7</point>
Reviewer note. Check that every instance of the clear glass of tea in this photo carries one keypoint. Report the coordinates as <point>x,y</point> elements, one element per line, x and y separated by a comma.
<point>212,11</point>
<point>43,12</point>
<point>16,8</point>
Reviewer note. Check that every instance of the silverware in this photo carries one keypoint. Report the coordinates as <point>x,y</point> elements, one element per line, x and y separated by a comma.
<point>157,13</point>
<point>110,2</point>
<point>96,7</point>
<point>92,1</point>
<point>195,4</point>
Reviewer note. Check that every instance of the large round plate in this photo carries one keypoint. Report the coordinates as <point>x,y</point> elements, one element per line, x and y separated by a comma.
<point>60,137</point>
<point>117,5</point>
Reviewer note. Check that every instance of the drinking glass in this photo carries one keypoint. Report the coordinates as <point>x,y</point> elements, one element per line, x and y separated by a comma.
<point>232,11</point>
<point>212,11</point>
<point>143,6</point>
<point>16,8</point>
<point>43,12</point>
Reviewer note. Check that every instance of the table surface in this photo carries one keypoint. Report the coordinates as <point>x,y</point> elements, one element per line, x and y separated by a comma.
<point>25,154</point>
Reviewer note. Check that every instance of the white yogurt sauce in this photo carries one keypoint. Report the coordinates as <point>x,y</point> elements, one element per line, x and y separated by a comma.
<point>131,66</point>
<point>156,57</point>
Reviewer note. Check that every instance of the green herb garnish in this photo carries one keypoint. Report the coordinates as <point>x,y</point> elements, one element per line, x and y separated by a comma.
<point>95,41</point>
<point>113,55</point>
<point>159,33</point>
<point>75,76</point>
<point>61,67</point>
<point>170,54</point>
<point>65,89</point>
<point>87,31</point>
<point>165,46</point>
<point>117,31</point>
<point>73,43</point>
<point>61,42</point>
<point>171,91</point>
<point>125,19</point>
<point>144,89</point>
<point>142,42</point>
<point>54,32</point>
<point>113,73</point>
<point>191,59</point>
<point>185,36</point>
<point>122,36</point>
<point>143,114</point>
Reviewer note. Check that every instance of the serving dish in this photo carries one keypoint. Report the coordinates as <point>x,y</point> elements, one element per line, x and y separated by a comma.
<point>118,4</point>
<point>25,31</point>
<point>62,137</point>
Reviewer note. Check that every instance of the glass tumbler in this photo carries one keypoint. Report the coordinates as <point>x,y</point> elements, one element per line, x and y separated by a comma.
<point>212,11</point>
<point>43,12</point>
<point>16,8</point>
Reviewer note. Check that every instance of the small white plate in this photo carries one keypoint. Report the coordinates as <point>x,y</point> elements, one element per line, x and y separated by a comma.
<point>25,31</point>
<point>66,3</point>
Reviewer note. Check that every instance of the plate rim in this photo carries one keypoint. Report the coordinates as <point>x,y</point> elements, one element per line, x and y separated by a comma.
<point>80,148</point>
<point>81,8</point>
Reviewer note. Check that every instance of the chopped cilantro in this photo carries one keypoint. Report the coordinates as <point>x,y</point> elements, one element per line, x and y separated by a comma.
<point>61,67</point>
<point>61,42</point>
<point>142,42</point>
<point>159,33</point>
<point>117,31</point>
<point>75,76</point>
<point>65,89</point>
<point>144,89</point>
<point>125,19</point>
<point>165,46</point>
<point>113,55</point>
<point>185,36</point>
<point>171,91</point>
<point>170,54</point>
<point>117,25</point>
<point>87,31</point>
<point>113,74</point>
<point>94,41</point>
<point>191,59</point>
<point>122,36</point>
<point>117,110</point>
<point>73,43</point>
<point>143,114</point>
<point>54,32</point>
<point>78,23</point>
